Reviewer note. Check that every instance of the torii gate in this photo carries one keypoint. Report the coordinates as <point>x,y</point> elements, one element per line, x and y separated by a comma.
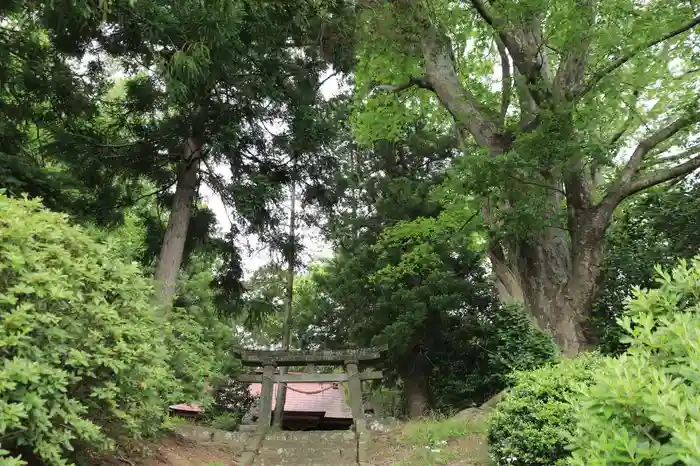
<point>350,359</point>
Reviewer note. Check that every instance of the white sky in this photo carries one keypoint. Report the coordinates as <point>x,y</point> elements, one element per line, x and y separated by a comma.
<point>254,253</point>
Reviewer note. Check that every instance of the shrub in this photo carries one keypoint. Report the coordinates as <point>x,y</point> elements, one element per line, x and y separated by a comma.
<point>482,350</point>
<point>200,343</point>
<point>643,406</point>
<point>83,357</point>
<point>232,400</point>
<point>226,421</point>
<point>531,426</point>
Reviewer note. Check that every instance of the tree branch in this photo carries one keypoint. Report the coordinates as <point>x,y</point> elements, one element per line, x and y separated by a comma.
<point>470,114</point>
<point>506,79</point>
<point>597,77</point>
<point>325,80</point>
<point>660,176</point>
<point>132,202</point>
<point>525,61</point>
<point>621,188</point>
<point>672,158</point>
<point>615,139</point>
<point>417,81</point>
<point>572,66</point>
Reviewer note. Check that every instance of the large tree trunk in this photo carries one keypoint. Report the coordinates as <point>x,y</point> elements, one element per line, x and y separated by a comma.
<point>554,272</point>
<point>173,246</point>
<point>416,385</point>
<point>286,326</point>
<point>557,283</point>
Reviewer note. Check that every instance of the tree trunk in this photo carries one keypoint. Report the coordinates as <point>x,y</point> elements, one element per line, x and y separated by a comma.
<point>416,384</point>
<point>286,326</point>
<point>554,272</point>
<point>558,284</point>
<point>171,251</point>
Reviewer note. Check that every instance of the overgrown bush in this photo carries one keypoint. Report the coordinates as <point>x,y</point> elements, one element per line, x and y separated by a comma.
<point>86,358</point>
<point>643,406</point>
<point>200,343</point>
<point>531,426</point>
<point>482,350</point>
<point>83,356</point>
<point>232,400</point>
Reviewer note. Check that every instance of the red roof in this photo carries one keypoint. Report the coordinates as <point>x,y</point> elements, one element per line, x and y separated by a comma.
<point>318,397</point>
<point>184,407</point>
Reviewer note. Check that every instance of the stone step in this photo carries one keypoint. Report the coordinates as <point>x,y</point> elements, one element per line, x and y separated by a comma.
<point>303,461</point>
<point>308,448</point>
<point>281,448</point>
<point>311,434</point>
<point>203,434</point>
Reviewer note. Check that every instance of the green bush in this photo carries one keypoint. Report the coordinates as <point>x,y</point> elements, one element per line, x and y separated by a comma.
<point>531,426</point>
<point>643,407</point>
<point>200,343</point>
<point>482,350</point>
<point>226,421</point>
<point>84,358</point>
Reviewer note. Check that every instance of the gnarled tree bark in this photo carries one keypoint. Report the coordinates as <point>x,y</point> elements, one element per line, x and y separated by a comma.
<point>554,271</point>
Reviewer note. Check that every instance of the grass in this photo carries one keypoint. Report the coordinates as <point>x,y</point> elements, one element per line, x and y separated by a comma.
<point>436,441</point>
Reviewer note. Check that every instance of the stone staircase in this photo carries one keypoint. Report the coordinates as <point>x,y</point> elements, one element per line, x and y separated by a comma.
<point>282,448</point>
<point>234,442</point>
<point>308,448</point>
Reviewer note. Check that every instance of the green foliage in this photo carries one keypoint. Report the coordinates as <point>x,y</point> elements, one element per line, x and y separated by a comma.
<point>199,342</point>
<point>483,350</point>
<point>231,401</point>
<point>385,401</point>
<point>84,357</point>
<point>642,406</point>
<point>432,441</point>
<point>533,423</point>
<point>657,228</point>
<point>226,421</point>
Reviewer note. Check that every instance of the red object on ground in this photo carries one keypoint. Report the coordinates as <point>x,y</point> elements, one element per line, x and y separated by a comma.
<point>186,408</point>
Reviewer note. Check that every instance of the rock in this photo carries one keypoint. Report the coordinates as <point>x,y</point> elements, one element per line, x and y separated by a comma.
<point>494,400</point>
<point>469,413</point>
<point>484,409</point>
<point>376,426</point>
<point>383,424</point>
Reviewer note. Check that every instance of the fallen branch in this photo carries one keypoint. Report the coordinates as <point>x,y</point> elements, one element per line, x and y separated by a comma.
<point>124,460</point>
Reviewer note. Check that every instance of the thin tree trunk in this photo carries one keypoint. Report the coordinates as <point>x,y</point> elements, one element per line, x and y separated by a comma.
<point>173,247</point>
<point>286,326</point>
<point>354,161</point>
<point>416,386</point>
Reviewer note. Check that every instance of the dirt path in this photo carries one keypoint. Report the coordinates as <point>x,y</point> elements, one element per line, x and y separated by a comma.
<point>174,451</point>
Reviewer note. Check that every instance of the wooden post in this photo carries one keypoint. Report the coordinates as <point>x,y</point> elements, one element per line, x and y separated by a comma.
<point>265,415</point>
<point>355,387</point>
